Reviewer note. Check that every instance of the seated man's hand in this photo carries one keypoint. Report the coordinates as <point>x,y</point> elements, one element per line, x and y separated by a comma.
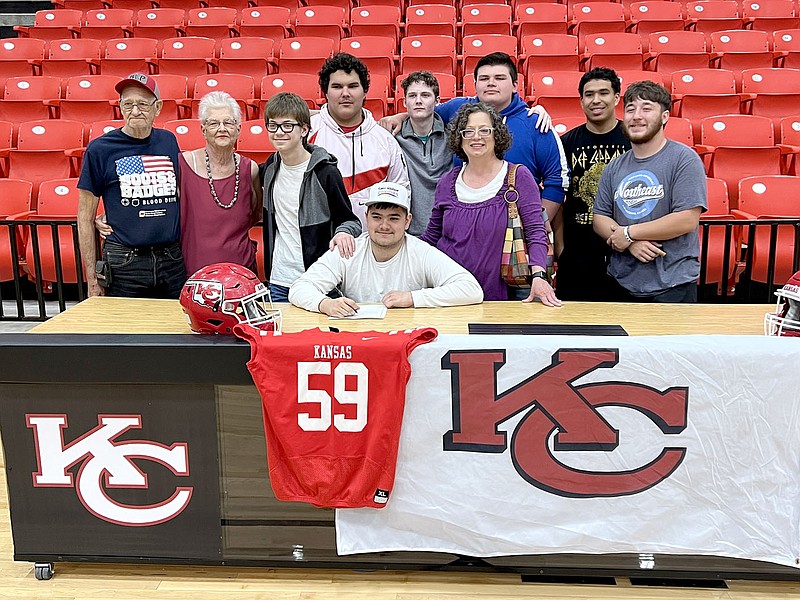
<point>338,307</point>
<point>645,251</point>
<point>393,123</point>
<point>345,242</point>
<point>543,291</point>
<point>395,299</point>
<point>94,289</point>
<point>545,122</point>
<point>102,226</point>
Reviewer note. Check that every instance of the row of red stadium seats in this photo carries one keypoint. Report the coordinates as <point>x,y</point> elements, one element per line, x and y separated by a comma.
<point>336,21</point>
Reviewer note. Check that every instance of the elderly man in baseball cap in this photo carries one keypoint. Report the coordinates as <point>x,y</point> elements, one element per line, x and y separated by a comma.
<point>134,170</point>
<point>388,266</point>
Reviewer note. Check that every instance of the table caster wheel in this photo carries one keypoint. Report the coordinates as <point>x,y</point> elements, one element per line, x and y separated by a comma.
<point>43,571</point>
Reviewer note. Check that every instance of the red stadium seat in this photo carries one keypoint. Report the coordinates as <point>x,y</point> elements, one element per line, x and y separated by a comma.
<point>377,52</point>
<point>241,87</point>
<point>254,141</point>
<point>253,56</point>
<point>474,47</point>
<point>159,23</point>
<point>217,22</point>
<point>190,56</point>
<point>548,51</point>
<point>266,21</point>
<point>57,200</point>
<point>719,208</point>
<point>557,92</point>
<point>764,197</point>
<point>540,19</point>
<point>45,149</point>
<point>672,51</point>
<point>99,128</point>
<point>17,57</point>
<point>52,25</point>
<point>376,20</point>
<point>188,132</point>
<point>304,54</point>
<point>786,44</point>
<point>769,15</point>
<point>24,98</point>
<point>654,16</point>
<point>174,91</point>
<point>322,21</point>
<point>88,98</point>
<point>124,56</point>
<point>436,53</point>
<point>790,132</point>
<point>737,146</point>
<point>709,16</point>
<point>738,50</point>
<point>430,19</point>
<point>107,24</point>
<point>69,57</point>
<point>596,17</point>
<point>777,93</point>
<point>613,49</point>
<point>486,19</point>
<point>304,85</point>
<point>15,198</point>
<point>562,125</point>
<point>679,130</point>
<point>700,93</point>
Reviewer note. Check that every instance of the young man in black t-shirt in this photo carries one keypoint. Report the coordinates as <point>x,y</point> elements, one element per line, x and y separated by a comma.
<point>582,256</point>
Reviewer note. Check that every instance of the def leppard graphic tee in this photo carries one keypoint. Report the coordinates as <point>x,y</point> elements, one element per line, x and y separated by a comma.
<point>333,406</point>
<point>583,262</point>
<point>137,180</point>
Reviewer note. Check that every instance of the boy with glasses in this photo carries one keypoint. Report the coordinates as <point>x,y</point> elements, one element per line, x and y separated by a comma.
<point>306,208</point>
<point>134,170</point>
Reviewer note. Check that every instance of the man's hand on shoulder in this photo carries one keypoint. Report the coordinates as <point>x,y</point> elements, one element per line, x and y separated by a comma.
<point>345,242</point>
<point>338,307</point>
<point>395,299</point>
<point>393,123</point>
<point>545,122</point>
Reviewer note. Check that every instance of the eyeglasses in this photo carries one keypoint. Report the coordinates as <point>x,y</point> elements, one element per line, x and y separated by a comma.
<point>227,124</point>
<point>483,132</point>
<point>142,105</point>
<point>285,127</point>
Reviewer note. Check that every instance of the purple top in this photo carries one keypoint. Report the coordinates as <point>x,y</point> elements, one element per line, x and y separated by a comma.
<point>473,234</point>
<point>210,233</point>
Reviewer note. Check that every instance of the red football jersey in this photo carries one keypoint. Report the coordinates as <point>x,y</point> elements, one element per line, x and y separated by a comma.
<point>333,406</point>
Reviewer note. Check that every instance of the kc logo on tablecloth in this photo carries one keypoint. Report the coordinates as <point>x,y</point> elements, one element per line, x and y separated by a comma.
<point>107,463</point>
<point>553,403</point>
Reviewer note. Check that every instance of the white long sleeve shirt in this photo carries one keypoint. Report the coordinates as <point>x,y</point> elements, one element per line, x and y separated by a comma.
<point>432,277</point>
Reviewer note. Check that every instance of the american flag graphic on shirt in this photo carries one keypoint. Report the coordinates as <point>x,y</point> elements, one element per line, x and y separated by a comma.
<point>131,165</point>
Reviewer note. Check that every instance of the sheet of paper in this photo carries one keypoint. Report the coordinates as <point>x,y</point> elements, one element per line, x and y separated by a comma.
<point>367,311</point>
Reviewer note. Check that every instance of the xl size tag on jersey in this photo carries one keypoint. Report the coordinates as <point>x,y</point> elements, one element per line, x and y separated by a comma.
<point>381,496</point>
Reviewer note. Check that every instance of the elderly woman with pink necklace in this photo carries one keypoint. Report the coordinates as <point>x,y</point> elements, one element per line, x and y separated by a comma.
<point>220,196</point>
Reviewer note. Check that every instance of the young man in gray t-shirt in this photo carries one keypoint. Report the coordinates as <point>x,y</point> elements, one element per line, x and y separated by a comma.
<point>648,205</point>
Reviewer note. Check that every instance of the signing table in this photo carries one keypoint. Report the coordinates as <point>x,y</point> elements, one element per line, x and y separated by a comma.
<point>127,438</point>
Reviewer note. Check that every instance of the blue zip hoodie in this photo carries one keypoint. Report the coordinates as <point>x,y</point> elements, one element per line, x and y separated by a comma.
<point>541,152</point>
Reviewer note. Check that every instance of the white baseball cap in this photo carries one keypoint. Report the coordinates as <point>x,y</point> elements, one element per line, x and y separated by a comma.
<point>389,192</point>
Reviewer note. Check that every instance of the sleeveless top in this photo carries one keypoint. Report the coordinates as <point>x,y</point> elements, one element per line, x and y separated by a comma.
<point>210,233</point>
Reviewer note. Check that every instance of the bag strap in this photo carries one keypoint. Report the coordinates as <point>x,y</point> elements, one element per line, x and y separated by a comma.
<point>511,194</point>
<point>512,176</point>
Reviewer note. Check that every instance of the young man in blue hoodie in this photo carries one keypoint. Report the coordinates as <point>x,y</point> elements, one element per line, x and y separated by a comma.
<point>542,153</point>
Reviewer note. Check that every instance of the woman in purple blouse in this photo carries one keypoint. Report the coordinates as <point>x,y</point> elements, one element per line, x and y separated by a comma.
<point>470,214</point>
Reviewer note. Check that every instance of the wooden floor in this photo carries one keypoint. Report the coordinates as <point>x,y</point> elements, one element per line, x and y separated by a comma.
<point>110,581</point>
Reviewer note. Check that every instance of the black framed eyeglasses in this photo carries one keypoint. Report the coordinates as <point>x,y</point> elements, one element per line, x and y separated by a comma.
<point>285,127</point>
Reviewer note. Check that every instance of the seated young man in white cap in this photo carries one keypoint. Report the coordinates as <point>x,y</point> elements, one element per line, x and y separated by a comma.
<point>388,266</point>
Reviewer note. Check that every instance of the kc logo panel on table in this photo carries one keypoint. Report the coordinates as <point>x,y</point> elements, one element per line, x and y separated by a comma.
<point>551,403</point>
<point>107,463</point>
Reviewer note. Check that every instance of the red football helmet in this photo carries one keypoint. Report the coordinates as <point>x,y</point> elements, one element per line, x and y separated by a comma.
<point>785,321</point>
<point>219,296</point>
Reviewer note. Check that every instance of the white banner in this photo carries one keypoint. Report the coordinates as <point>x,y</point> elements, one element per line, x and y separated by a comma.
<point>530,445</point>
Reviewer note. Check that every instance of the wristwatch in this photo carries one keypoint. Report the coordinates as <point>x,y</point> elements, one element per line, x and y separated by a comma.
<point>540,275</point>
